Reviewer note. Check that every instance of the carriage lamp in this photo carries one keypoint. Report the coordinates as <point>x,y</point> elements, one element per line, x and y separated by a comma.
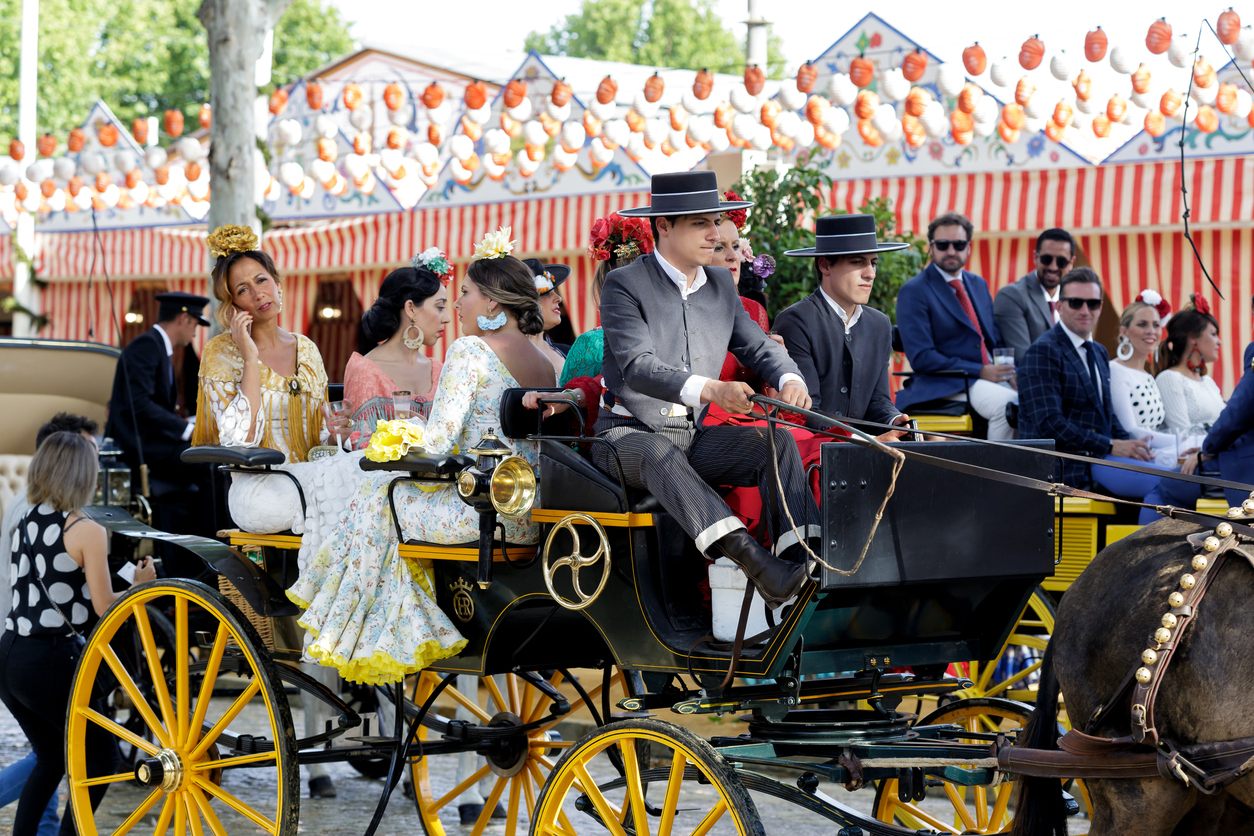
<point>499,482</point>
<point>113,477</point>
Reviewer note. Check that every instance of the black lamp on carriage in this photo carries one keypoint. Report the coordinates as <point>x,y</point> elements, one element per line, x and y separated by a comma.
<point>113,477</point>
<point>499,482</point>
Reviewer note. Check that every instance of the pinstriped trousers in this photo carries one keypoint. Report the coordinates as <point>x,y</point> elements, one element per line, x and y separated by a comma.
<point>679,463</point>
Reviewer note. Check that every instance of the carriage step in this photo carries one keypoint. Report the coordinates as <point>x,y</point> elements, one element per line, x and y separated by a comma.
<point>247,744</point>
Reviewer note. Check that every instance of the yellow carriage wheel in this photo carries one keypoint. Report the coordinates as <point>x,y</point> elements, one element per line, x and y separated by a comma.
<point>511,777</point>
<point>644,777</point>
<point>1013,673</point>
<point>954,808</point>
<point>217,753</point>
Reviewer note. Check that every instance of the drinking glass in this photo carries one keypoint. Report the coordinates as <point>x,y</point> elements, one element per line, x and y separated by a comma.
<point>338,415</point>
<point>1003,356</point>
<point>402,403</point>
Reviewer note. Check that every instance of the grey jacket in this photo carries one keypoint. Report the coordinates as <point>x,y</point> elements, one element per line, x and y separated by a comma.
<point>1022,314</point>
<point>815,338</point>
<point>655,340</point>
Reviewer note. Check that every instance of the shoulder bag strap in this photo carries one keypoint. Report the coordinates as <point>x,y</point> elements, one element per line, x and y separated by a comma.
<point>39,580</point>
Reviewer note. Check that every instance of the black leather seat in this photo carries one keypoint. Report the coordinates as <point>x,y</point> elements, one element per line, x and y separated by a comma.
<point>568,480</point>
<point>235,456</point>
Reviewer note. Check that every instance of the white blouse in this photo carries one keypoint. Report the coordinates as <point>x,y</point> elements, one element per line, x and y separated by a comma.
<point>1190,406</point>
<point>1135,398</point>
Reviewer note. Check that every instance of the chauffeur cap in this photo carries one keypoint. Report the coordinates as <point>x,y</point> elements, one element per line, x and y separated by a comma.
<point>176,302</point>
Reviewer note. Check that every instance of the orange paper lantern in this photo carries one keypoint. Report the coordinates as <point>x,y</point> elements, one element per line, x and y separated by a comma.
<point>46,145</point>
<point>755,79</point>
<point>107,133</point>
<point>1063,113</point>
<point>1141,80</point>
<point>278,101</point>
<point>1095,43</point>
<point>1012,116</point>
<point>807,75</point>
<point>173,120</point>
<point>204,116</point>
<point>1101,125</point>
<point>607,90</point>
<point>1031,53</point>
<point>1169,104</point>
<point>864,105</point>
<point>1155,124</point>
<point>703,84</point>
<point>1207,120</point>
<point>1023,91</point>
<point>313,95</point>
<point>1226,98</point>
<point>394,96</point>
<point>653,88</point>
<point>913,66</point>
<point>1116,108</point>
<point>351,96</point>
<point>974,59</point>
<point>1158,38</point>
<point>76,141</point>
<point>476,95</point>
<point>1008,134</point>
<point>561,93</point>
<point>1228,27</point>
<point>869,134</point>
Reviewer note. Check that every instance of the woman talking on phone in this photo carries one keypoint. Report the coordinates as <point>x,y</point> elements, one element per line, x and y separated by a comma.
<point>60,588</point>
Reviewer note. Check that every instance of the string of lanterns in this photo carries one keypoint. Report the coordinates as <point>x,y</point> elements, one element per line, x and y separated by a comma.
<point>352,136</point>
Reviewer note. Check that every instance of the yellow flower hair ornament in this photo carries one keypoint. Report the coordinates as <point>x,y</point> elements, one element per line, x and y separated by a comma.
<point>392,440</point>
<point>229,239</point>
<point>495,244</point>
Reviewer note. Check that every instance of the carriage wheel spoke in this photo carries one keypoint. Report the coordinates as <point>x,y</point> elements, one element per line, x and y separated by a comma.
<point>144,627</point>
<point>980,795</point>
<point>180,813</point>
<point>226,719</point>
<point>511,816</point>
<point>489,806</point>
<point>206,810</point>
<point>137,699</point>
<point>529,793</point>
<point>105,779</point>
<point>494,693</point>
<point>119,731</point>
<point>469,704</point>
<point>163,820</point>
<point>236,805</point>
<point>609,815</point>
<point>193,817</point>
<point>456,791</point>
<point>635,792</point>
<point>545,743</point>
<point>674,785</point>
<point>139,812</point>
<point>212,665</point>
<point>514,706</point>
<point>960,807</point>
<point>921,819</point>
<point>211,764</point>
<point>711,818</point>
<point>1001,805</point>
<point>182,683</point>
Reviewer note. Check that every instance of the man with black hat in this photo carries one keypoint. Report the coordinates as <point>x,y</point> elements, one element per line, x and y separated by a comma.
<point>144,419</point>
<point>846,370</point>
<point>669,320</point>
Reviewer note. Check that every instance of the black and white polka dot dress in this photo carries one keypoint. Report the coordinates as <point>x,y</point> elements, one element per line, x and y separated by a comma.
<point>42,551</point>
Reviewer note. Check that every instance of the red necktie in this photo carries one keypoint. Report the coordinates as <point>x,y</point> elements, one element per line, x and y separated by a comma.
<point>964,301</point>
<point>1053,309</point>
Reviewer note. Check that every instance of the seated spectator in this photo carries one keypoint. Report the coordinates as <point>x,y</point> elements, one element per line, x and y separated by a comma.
<point>945,317</point>
<point>1230,441</point>
<point>1065,394</point>
<point>1191,398</point>
<point>1028,308</point>
<point>1134,393</point>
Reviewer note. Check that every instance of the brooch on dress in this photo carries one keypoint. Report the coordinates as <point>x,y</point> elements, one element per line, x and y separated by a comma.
<point>293,386</point>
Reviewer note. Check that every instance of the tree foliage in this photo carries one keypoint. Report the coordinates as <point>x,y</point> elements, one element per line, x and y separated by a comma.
<point>782,218</point>
<point>142,56</point>
<point>656,33</point>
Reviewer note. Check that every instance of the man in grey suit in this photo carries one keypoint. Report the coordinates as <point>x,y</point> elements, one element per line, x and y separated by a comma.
<point>1027,309</point>
<point>669,320</point>
<point>846,370</point>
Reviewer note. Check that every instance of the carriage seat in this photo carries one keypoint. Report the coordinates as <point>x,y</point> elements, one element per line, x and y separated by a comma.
<point>233,456</point>
<point>570,481</point>
<point>13,470</point>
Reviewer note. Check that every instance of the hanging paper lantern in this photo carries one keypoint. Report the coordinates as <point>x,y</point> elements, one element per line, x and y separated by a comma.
<point>351,96</point>
<point>999,73</point>
<point>76,140</point>
<point>1226,98</point>
<point>1203,73</point>
<point>1158,38</point>
<point>107,133</point>
<point>1143,100</point>
<point>1121,60</point>
<point>1207,120</point>
<point>653,88</point>
<point>755,79</point>
<point>313,95</point>
<point>867,102</point>
<point>1024,91</point>
<point>1037,109</point>
<point>949,79</point>
<point>912,66</point>
<point>1101,125</point>
<point>1012,115</point>
<point>791,97</point>
<point>289,132</point>
<point>968,97</point>
<point>869,134</point>
<point>1054,131</point>
<point>1169,104</point>
<point>204,116</point>
<point>1116,108</point>
<point>1228,27</point>
<point>173,120</point>
<point>884,118</point>
<point>1008,134</point>
<point>1095,46</point>
<point>1141,80</point>
<point>702,84</point>
<point>1243,103</point>
<point>841,90</point>
<point>63,168</point>
<point>770,110</point>
<point>123,161</point>
<point>861,71</point>
<point>974,59</point>
<point>17,150</point>
<point>1155,124</point>
<point>1063,113</point>
<point>916,101</point>
<point>893,85</point>
<point>278,101</point>
<point>912,130</point>
<point>1244,48</point>
<point>1205,95</point>
<point>1031,53</point>
<point>1059,66</point>
<point>139,130</point>
<point>1083,86</point>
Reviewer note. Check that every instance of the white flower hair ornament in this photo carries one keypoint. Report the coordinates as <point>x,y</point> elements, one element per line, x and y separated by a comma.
<point>433,259</point>
<point>544,283</point>
<point>495,244</point>
<point>1157,302</point>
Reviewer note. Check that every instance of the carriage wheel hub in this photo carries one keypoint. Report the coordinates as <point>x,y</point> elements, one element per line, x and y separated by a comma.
<point>508,757</point>
<point>165,771</point>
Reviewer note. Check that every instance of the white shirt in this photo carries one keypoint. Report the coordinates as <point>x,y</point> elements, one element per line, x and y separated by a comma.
<point>848,320</point>
<point>690,392</point>
<point>169,352</point>
<point>1052,298</point>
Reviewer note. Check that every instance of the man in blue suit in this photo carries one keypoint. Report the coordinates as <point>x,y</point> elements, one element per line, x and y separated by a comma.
<point>945,316</point>
<point>1064,394</point>
<point>1231,437</point>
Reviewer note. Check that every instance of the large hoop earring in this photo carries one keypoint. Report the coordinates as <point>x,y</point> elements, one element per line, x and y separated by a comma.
<point>1124,349</point>
<point>1197,365</point>
<point>491,323</point>
<point>413,343</point>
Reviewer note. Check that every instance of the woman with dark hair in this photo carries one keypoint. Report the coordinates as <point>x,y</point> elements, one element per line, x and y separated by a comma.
<point>1191,398</point>
<point>368,615</point>
<point>408,317</point>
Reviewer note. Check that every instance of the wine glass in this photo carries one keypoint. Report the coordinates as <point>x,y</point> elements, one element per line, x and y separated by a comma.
<point>338,415</point>
<point>402,403</point>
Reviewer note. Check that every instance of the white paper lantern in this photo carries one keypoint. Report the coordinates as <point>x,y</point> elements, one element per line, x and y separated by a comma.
<point>1178,53</point>
<point>92,163</point>
<point>949,78</point>
<point>360,118</point>
<point>692,104</point>
<point>460,146</point>
<point>1038,107</point>
<point>289,132</point>
<point>762,138</point>
<point>1060,66</point>
<point>325,126</point>
<point>790,98</point>
<point>1243,49</point>
<point>40,170</point>
<point>836,120</point>
<point>679,116</point>
<point>459,172</point>
<point>934,123</point>
<point>841,90</point>
<point>563,159</point>
<point>63,168</point>
<point>1205,95</point>
<point>534,133</point>
<point>805,134</point>
<point>1121,60</point>
<point>481,115</point>
<point>428,155</point>
<point>123,161</point>
<point>356,166</point>
<point>719,142</point>
<point>393,162</point>
<point>788,124</point>
<point>655,131</point>
<point>155,157</point>
<point>742,100</point>
<point>616,131</point>
<point>600,153</point>
<point>603,112</point>
<point>677,139</point>
<point>893,85</point>
<point>191,150</point>
<point>291,174</point>
<point>56,203</point>
<point>1001,73</point>
<point>884,118</point>
<point>9,174</point>
<point>305,192</point>
<point>1034,124</point>
<point>402,116</point>
<point>636,147</point>
<point>322,171</point>
<point>496,141</point>
<point>573,136</point>
<point>894,131</point>
<point>986,110</point>
<point>1143,100</point>
<point>559,113</point>
<point>109,197</point>
<point>1241,109</point>
<point>83,200</point>
<point>745,126</point>
<point>700,129</point>
<point>643,106</point>
<point>985,128</point>
<point>1087,106</point>
<point>521,112</point>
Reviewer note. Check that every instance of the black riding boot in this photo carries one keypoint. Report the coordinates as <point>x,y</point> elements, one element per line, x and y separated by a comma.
<point>776,579</point>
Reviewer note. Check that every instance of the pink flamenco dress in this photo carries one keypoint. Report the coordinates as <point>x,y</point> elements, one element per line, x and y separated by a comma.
<point>369,390</point>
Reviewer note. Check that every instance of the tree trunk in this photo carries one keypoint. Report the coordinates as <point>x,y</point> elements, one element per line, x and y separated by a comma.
<point>236,30</point>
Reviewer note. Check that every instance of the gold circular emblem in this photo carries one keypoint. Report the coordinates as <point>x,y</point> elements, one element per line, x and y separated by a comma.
<point>576,561</point>
<point>463,603</point>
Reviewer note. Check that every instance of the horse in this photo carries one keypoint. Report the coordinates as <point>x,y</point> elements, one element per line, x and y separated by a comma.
<point>1105,622</point>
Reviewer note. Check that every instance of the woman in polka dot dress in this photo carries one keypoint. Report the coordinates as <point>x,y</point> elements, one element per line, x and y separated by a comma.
<point>59,571</point>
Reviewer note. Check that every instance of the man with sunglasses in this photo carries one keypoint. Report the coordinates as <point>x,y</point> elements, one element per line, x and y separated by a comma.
<point>945,317</point>
<point>1064,394</point>
<point>1028,308</point>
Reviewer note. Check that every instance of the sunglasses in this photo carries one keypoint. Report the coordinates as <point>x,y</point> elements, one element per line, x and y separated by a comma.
<point>945,246</point>
<point>1049,260</point>
<point>1076,304</point>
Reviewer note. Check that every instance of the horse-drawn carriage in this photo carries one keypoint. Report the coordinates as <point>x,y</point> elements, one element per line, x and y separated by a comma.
<point>602,621</point>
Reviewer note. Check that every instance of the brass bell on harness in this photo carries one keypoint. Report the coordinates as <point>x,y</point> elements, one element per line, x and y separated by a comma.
<point>1200,562</point>
<point>1143,675</point>
<point>1149,656</point>
<point>1248,506</point>
<point>1235,512</point>
<point>1223,530</point>
<point>1176,599</point>
<point>1211,543</point>
<point>1169,621</point>
<point>1187,581</point>
<point>1162,635</point>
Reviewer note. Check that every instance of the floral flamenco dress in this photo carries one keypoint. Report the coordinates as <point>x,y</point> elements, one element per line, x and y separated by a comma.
<point>370,613</point>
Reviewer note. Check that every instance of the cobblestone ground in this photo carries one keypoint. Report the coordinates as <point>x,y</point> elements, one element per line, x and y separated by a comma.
<point>357,796</point>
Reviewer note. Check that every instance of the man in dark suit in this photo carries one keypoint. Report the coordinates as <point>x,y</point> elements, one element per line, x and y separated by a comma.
<point>945,317</point>
<point>1064,394</point>
<point>669,320</point>
<point>1026,309</point>
<point>846,370</point>
<point>1231,438</point>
